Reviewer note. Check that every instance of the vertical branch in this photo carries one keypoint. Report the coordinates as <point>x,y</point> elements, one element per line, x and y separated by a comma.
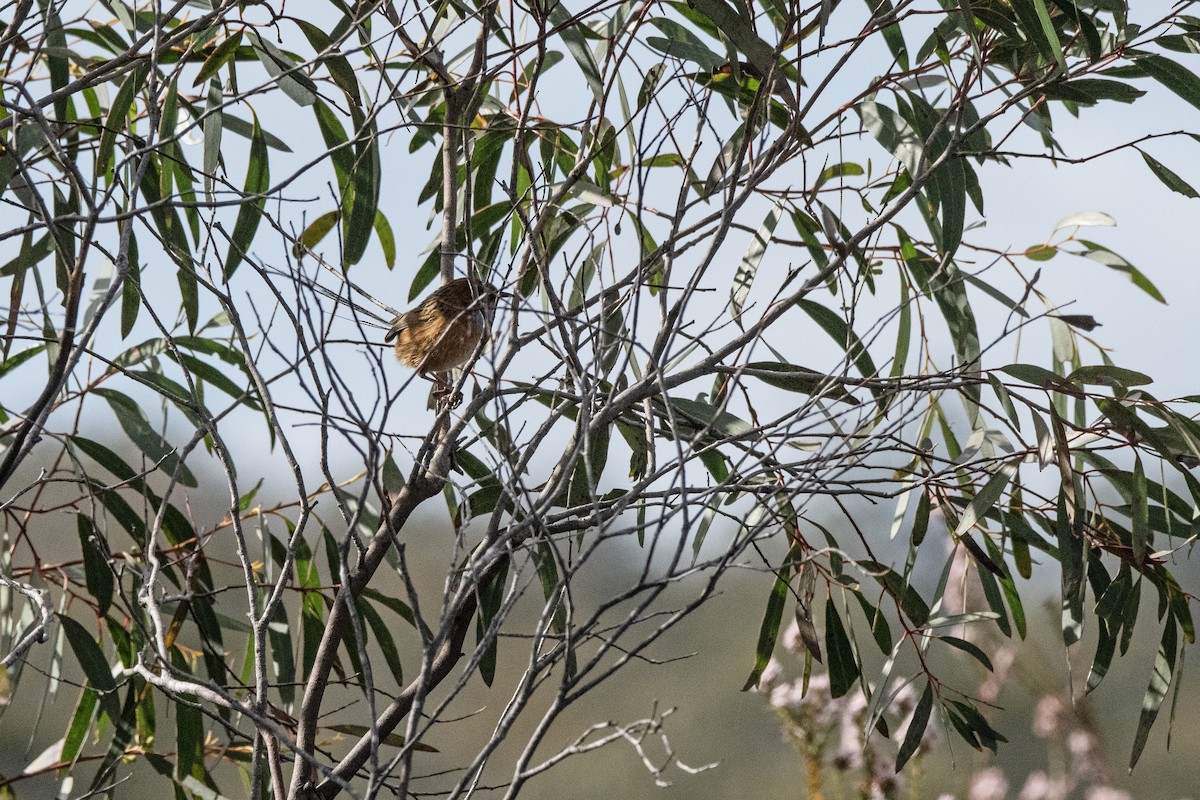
<point>450,126</point>
<point>419,489</point>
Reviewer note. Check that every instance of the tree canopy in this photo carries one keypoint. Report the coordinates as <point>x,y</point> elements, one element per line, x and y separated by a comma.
<point>751,313</point>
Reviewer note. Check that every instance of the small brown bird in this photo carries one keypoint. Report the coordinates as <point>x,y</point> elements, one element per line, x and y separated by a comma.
<point>443,331</point>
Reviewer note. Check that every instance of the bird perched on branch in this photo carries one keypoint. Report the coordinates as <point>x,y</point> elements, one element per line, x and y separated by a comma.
<point>443,331</point>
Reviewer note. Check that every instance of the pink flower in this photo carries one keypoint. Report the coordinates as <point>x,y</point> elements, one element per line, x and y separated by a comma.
<point>953,600</point>
<point>990,784</point>
<point>850,745</point>
<point>1087,761</point>
<point>1107,793</point>
<point>1082,744</point>
<point>1047,717</point>
<point>904,701</point>
<point>771,675</point>
<point>1002,661</point>
<point>1038,786</point>
<point>781,696</point>
<point>792,640</point>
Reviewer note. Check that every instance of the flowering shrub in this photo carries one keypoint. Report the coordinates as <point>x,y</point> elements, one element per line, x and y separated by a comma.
<point>832,733</point>
<point>844,761</point>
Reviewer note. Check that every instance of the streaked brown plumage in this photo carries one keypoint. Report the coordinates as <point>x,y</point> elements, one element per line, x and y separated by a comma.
<point>443,331</point>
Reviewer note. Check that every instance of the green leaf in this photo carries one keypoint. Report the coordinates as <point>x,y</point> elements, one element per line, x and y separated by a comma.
<point>312,235</point>
<point>1180,43</point>
<point>769,630</point>
<point>682,43</point>
<point>841,170</point>
<point>258,181</point>
<point>571,29</point>
<point>844,336</point>
<point>77,730</point>
<point>843,667</point>
<point>1107,375</point>
<point>911,603</point>
<point>1160,681</point>
<point>392,477</point>
<point>279,635</point>
<point>991,592</point>
<point>973,726</point>
<point>214,377</point>
<point>736,28</point>
<point>916,728</point>
<point>588,470</point>
<point>218,58</point>
<point>133,421</point>
<point>1088,91</point>
<point>921,520</point>
<point>649,86</point>
<point>893,132</point>
<point>242,128</point>
<point>945,283</point>
<point>90,656</point>
<point>1140,514</point>
<point>1169,178</point>
<point>802,380</point>
<point>878,623</point>
<point>1179,79</point>
<point>1036,24</point>
<point>286,71</point>
<point>952,193</point>
<point>1110,612</point>
<point>189,293</point>
<point>189,730</point>
<point>383,639</point>
<point>721,165</point>
<point>744,277</point>
<point>331,57</point>
<point>491,597</point>
<point>1108,258</point>
<point>12,362</point>
<point>1006,403</point>
<point>426,273</point>
<point>1009,587</point>
<point>97,574</point>
<point>131,298</point>
<point>123,718</point>
<point>214,126</point>
<point>387,239</point>
<point>1040,376</point>
<point>1070,548</point>
<point>337,143</point>
<point>708,416</point>
<point>970,648</point>
<point>129,520</point>
<point>882,9</point>
<point>366,177</point>
<point>985,498</point>
<point>118,114</point>
<point>1041,252</point>
<point>30,255</point>
<point>166,217</point>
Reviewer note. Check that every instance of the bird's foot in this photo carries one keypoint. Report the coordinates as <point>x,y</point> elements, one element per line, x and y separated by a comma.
<point>444,396</point>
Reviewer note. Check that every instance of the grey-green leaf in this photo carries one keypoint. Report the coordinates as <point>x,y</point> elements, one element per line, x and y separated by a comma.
<point>843,667</point>
<point>1160,681</point>
<point>916,728</point>
<point>768,631</point>
<point>1168,177</point>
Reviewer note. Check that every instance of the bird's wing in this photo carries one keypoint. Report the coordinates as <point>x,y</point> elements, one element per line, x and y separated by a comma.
<point>399,324</point>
